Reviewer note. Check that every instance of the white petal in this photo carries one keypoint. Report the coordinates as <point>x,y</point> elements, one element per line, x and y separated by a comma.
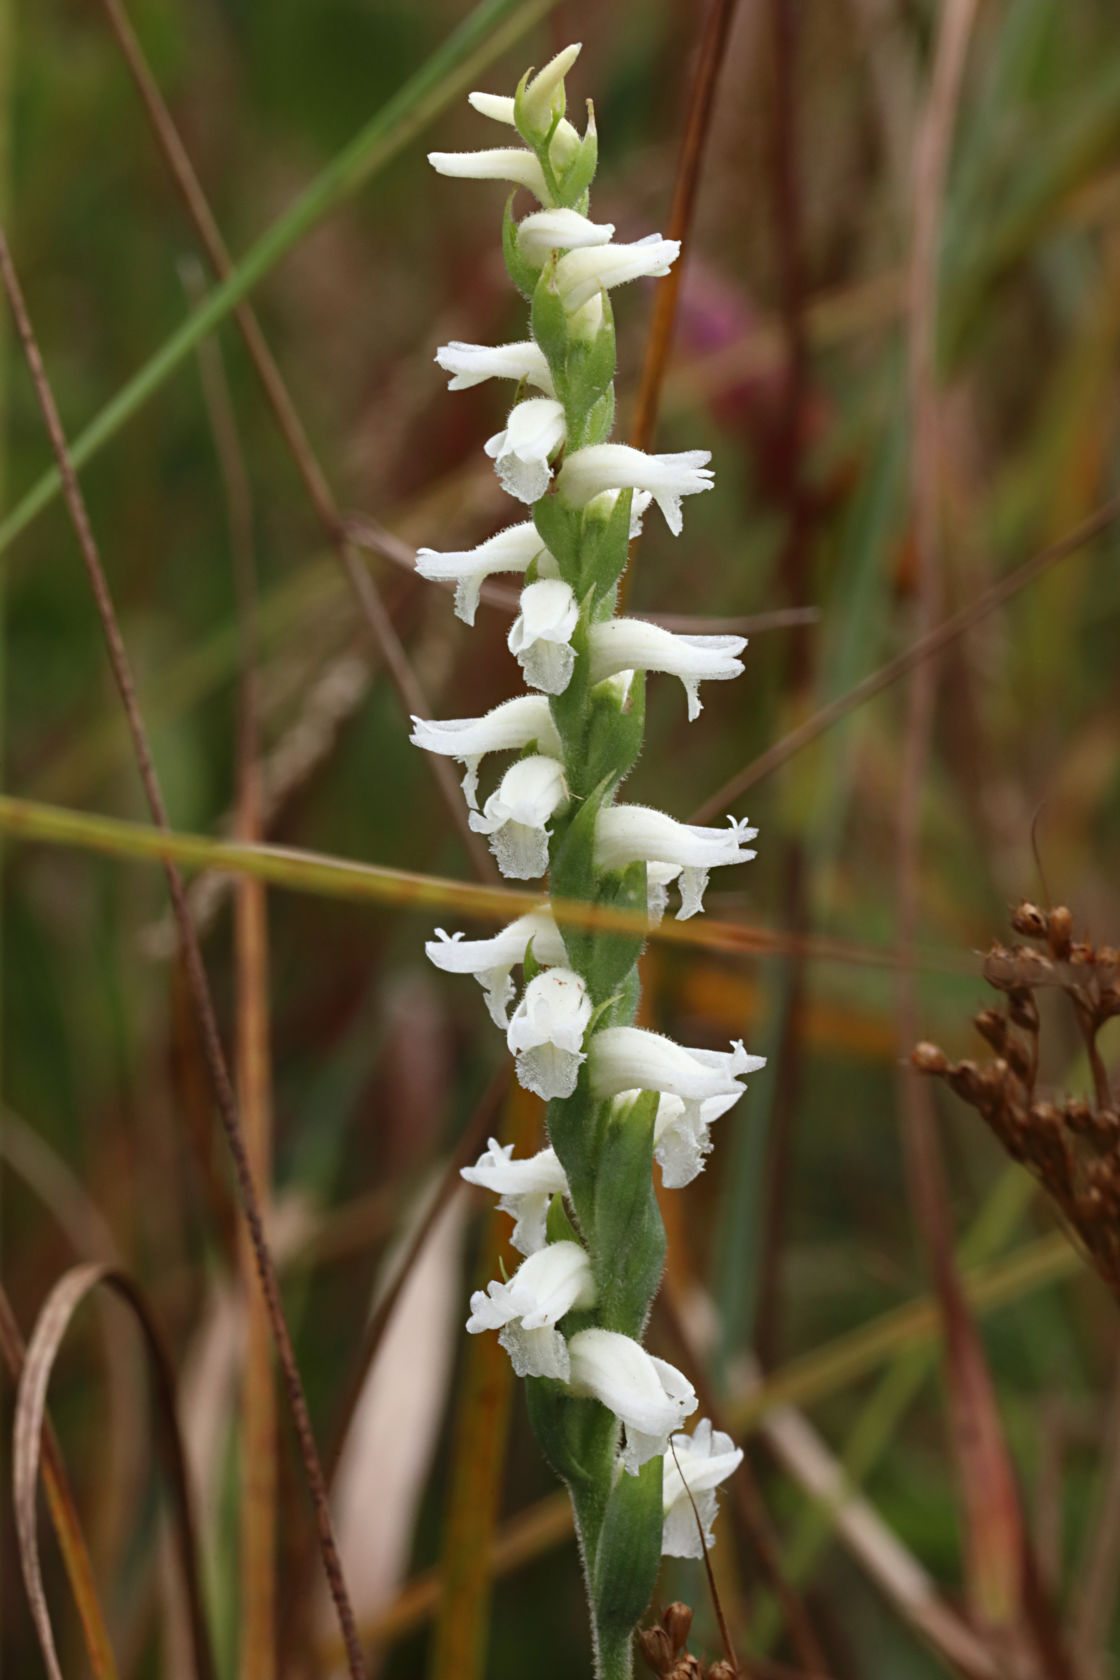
<point>525,1189</point>
<point>543,97</point>
<point>470,364</point>
<point>511,550</point>
<point>490,960</point>
<point>528,1307</point>
<point>558,230</point>
<point>606,466</point>
<point>694,1465</point>
<point>630,1058</point>
<point>630,644</point>
<point>497,106</point>
<point>516,816</point>
<point>502,163</point>
<point>629,833</point>
<point>541,634</point>
<point>649,1396</point>
<point>534,430</point>
<point>581,274</point>
<point>510,727</point>
<point>546,1032</point>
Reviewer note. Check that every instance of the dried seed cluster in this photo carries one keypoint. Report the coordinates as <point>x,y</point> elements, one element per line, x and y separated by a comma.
<point>1072,1146</point>
<point>663,1647</point>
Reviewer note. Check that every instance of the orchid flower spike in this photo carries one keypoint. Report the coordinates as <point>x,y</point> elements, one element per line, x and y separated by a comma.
<point>470,364</point>
<point>502,163</point>
<point>516,816</point>
<point>491,961</point>
<point>630,644</point>
<point>541,636</point>
<point>582,274</point>
<point>632,1059</point>
<point>625,834</point>
<point>694,1467</point>
<point>511,550</point>
<point>607,466</point>
<point>525,1187</point>
<point>546,1032</point>
<point>533,432</point>
<point>510,727</point>
<point>649,1396</point>
<point>526,1309</point>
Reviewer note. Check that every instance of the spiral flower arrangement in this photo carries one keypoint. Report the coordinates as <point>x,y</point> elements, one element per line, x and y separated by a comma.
<point>607,1413</point>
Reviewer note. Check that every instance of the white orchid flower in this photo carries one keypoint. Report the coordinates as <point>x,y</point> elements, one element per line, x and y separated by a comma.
<point>509,727</point>
<point>541,635</point>
<point>628,833</point>
<point>525,1188</point>
<point>632,1059</point>
<point>694,1465</point>
<point>516,816</point>
<point>534,430</point>
<point>606,466</point>
<point>546,1032</point>
<point>511,550</point>
<point>527,1308</point>
<point>545,231</point>
<point>492,960</point>
<point>471,364</point>
<point>542,99</point>
<point>681,1131</point>
<point>649,1396</point>
<point>630,644</point>
<point>501,163</point>
<point>582,274</point>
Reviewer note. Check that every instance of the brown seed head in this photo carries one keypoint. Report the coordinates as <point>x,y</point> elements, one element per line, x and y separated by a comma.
<point>1078,1115</point>
<point>1059,932</point>
<point>1023,1009</point>
<point>686,1668</point>
<point>927,1058</point>
<point>677,1622</point>
<point>992,1026</point>
<point>721,1670</point>
<point>657,1649</point>
<point>1029,921</point>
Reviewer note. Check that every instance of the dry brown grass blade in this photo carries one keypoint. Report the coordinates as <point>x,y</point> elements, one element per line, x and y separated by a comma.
<point>64,1515</point>
<point>257,1516</point>
<point>365,591</point>
<point>202,1002</point>
<point>31,1399</point>
<point>478,1456</point>
<point>923,648</point>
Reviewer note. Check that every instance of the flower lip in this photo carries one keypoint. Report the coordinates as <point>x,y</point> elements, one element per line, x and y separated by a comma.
<point>541,634</point>
<point>534,430</point>
<point>508,728</point>
<point>511,550</point>
<point>516,815</point>
<point>616,466</point>
<point>633,644</point>
<point>546,1032</point>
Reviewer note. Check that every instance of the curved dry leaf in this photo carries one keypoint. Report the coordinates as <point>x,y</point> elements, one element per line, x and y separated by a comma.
<point>31,1398</point>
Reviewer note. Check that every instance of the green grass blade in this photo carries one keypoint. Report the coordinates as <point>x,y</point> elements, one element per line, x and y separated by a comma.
<point>489,29</point>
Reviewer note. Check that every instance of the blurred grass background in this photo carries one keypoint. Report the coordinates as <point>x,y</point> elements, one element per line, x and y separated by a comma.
<point>801,1231</point>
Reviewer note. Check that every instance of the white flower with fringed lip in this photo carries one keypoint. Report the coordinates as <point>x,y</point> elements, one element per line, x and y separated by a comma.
<point>517,814</point>
<point>544,231</point>
<point>616,466</point>
<point>546,1032</point>
<point>527,1309</point>
<point>632,644</point>
<point>582,274</point>
<point>471,364</point>
<point>627,834</point>
<point>681,1131</point>
<point>492,960</point>
<point>633,1059</point>
<point>533,433</point>
<point>510,727</point>
<point>540,637</point>
<point>650,1397</point>
<point>525,1189</point>
<point>511,550</point>
<point>694,1465</point>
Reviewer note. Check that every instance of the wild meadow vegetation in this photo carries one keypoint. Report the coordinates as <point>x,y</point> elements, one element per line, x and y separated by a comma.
<point>894,327</point>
